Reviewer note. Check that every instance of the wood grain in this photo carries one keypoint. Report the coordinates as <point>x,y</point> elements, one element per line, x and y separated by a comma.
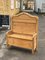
<point>24,31</point>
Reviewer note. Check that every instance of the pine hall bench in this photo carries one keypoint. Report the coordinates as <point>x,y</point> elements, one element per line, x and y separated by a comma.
<point>23,32</point>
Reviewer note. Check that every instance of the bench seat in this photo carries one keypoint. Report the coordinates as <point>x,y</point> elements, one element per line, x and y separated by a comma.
<point>21,36</point>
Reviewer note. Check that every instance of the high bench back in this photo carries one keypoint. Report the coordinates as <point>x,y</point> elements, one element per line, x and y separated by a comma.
<point>24,23</point>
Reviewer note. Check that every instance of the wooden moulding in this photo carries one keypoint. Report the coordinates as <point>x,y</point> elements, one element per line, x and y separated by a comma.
<point>24,31</point>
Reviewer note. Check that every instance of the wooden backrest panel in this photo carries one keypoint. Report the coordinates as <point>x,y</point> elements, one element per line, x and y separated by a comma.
<point>24,23</point>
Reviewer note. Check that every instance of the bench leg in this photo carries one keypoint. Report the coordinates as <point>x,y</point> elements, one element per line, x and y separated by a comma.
<point>36,44</point>
<point>36,49</point>
<point>33,51</point>
<point>33,46</point>
<point>8,46</point>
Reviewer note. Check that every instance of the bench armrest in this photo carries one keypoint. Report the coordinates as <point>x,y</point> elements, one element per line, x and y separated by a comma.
<point>34,35</point>
<point>8,32</point>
